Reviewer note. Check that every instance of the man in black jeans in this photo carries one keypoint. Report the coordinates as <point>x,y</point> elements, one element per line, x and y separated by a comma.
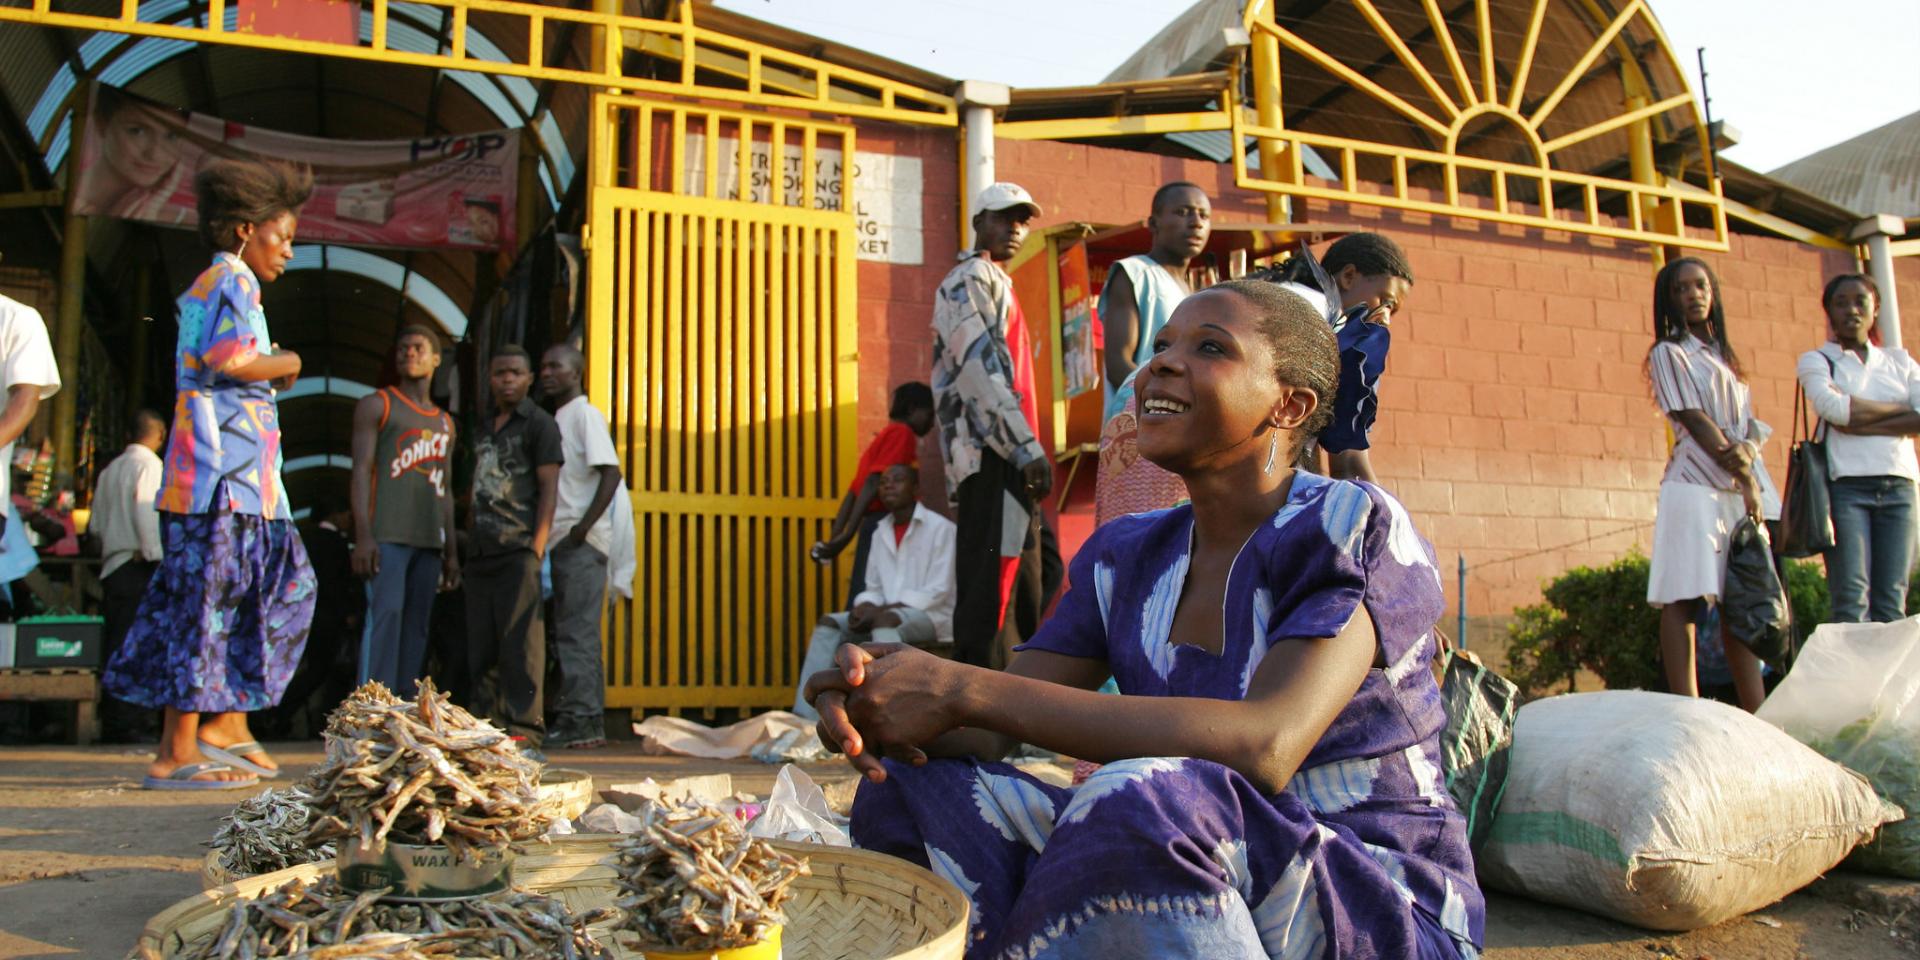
<point>516,476</point>
<point>129,530</point>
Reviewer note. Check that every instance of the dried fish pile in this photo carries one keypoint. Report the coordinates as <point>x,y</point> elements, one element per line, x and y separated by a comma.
<point>318,921</point>
<point>268,832</point>
<point>422,772</point>
<point>692,879</point>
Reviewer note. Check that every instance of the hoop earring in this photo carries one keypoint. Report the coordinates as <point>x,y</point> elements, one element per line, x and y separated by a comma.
<point>243,247</point>
<point>1273,450</point>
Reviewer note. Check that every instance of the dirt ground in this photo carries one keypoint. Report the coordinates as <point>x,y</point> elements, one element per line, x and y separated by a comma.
<point>86,857</point>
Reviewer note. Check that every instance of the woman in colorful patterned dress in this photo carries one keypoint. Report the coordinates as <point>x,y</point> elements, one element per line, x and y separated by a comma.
<point>1272,779</point>
<point>223,621</point>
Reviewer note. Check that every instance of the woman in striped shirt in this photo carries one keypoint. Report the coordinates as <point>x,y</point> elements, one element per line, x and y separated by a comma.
<point>1714,476</point>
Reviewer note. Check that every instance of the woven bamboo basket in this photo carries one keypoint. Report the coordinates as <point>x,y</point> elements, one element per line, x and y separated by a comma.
<point>857,905</point>
<point>572,788</point>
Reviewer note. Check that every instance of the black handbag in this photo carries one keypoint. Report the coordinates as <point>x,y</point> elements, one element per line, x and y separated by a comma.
<point>1806,509</point>
<point>1753,605</point>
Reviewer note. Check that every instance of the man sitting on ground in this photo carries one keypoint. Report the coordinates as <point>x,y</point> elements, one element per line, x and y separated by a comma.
<point>909,594</point>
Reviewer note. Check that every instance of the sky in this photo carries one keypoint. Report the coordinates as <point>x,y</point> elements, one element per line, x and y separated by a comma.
<point>1792,77</point>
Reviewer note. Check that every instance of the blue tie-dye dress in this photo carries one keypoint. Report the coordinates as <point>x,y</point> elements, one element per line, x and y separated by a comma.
<point>1363,854</point>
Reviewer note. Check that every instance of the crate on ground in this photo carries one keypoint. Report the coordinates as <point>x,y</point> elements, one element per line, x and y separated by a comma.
<point>79,687</point>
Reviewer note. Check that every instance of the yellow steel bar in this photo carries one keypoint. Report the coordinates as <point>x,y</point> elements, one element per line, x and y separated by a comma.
<point>657,360</point>
<point>1405,53</point>
<point>734,451</point>
<point>1056,350</point>
<point>807,328</point>
<point>1267,107</point>
<point>1073,128</point>
<point>1400,176</point>
<point>1459,67</point>
<point>66,336</point>
<point>1903,248</point>
<point>1486,53</point>
<point>1349,170</point>
<point>1579,69</point>
<point>1640,164</point>
<point>457,39</point>
<point>806,166</point>
<point>1525,65</point>
<point>640,355</point>
<point>1356,79</point>
<point>1593,227</point>
<point>1500,191</point>
<point>744,190</point>
<point>217,16</point>
<point>644,156</point>
<point>678,170</point>
<point>1417,155</point>
<point>778,326</point>
<point>710,360</point>
<point>1593,204</point>
<point>32,198</point>
<point>677,698</point>
<point>379,38</point>
<point>761,323</point>
<point>537,41</point>
<point>674,371</point>
<point>936,109</point>
<point>1615,123</point>
<point>711,152</point>
<point>676,257</point>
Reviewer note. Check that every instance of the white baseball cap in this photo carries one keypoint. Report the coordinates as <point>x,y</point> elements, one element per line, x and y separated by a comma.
<point>1005,196</point>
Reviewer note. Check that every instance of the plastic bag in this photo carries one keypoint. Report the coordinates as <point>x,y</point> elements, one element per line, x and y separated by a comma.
<point>1671,813</point>
<point>1479,738</point>
<point>1854,695</point>
<point>1753,605</point>
<point>798,811</point>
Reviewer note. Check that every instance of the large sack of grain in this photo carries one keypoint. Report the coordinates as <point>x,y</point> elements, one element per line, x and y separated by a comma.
<point>1667,812</point>
<point>1854,696</point>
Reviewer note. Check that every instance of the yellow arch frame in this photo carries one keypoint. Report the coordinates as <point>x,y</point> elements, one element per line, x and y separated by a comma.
<point>1657,208</point>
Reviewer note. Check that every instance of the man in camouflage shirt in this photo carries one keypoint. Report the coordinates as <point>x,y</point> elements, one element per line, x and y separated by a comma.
<point>997,472</point>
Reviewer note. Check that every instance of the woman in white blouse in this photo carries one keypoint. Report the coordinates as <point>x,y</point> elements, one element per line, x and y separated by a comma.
<point>1714,475</point>
<point>1868,395</point>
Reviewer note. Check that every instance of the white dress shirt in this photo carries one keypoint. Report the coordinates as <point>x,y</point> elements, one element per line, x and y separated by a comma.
<point>1887,375</point>
<point>123,513</point>
<point>918,572</point>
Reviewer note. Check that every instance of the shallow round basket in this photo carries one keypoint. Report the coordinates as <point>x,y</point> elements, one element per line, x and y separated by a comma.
<point>571,789</point>
<point>856,905</point>
<point>213,873</point>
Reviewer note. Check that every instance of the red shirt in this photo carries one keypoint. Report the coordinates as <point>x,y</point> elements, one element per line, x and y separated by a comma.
<point>1020,351</point>
<point>895,444</point>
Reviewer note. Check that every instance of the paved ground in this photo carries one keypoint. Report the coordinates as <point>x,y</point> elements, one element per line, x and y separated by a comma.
<point>86,857</point>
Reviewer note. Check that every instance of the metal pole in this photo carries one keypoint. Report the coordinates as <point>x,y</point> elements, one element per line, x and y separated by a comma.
<point>1460,627</point>
<point>1876,232</point>
<point>977,101</point>
<point>66,339</point>
<point>1266,107</point>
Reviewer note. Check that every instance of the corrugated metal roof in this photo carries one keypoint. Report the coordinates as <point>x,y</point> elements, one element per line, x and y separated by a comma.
<point>1875,172</point>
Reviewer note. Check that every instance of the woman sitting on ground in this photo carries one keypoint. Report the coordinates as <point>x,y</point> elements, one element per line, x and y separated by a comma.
<point>1272,782</point>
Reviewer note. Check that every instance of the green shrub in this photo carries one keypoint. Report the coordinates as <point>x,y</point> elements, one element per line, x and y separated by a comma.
<point>1598,619</point>
<point>1594,618</point>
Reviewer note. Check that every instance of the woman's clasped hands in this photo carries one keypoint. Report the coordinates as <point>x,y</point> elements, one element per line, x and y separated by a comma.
<point>885,700</point>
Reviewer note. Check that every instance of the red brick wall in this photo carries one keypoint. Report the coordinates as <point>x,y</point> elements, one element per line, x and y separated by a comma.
<point>1517,424</point>
<point>895,301</point>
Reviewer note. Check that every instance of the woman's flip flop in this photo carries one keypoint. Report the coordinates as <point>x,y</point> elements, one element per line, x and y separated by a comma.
<point>182,778</point>
<point>231,756</point>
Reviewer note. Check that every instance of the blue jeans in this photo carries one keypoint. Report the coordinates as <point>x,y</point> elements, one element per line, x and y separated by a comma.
<point>1873,545</point>
<point>393,650</point>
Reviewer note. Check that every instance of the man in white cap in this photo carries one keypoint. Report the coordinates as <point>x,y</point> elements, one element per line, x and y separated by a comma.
<point>997,472</point>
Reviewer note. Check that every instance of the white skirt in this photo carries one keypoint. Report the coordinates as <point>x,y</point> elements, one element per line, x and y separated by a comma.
<point>1690,537</point>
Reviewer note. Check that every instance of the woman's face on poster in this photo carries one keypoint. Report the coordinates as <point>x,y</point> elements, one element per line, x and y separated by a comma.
<point>139,147</point>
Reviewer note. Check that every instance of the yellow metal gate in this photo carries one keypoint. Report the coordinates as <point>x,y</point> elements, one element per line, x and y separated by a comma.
<point>721,338</point>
